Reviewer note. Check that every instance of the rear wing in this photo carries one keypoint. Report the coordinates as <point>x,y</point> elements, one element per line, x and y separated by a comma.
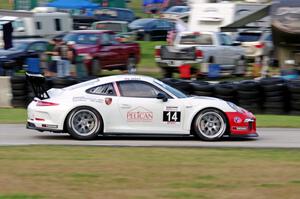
<point>37,82</point>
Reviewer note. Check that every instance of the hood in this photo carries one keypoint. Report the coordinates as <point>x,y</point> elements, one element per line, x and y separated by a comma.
<point>7,52</point>
<point>86,48</point>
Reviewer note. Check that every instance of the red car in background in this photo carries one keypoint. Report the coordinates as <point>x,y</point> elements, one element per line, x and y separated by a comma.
<point>102,50</point>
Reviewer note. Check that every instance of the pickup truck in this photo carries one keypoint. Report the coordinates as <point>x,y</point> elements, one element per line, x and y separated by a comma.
<point>103,51</point>
<point>214,48</point>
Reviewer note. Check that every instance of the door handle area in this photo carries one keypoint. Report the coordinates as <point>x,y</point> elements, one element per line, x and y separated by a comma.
<point>125,106</point>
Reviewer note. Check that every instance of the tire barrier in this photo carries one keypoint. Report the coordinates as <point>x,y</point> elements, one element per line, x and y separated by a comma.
<point>226,91</point>
<point>19,91</point>
<point>294,91</point>
<point>249,95</point>
<point>269,95</point>
<point>275,98</point>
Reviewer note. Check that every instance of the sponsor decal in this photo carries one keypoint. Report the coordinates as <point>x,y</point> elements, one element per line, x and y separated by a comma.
<point>171,108</point>
<point>237,120</point>
<point>139,114</point>
<point>108,101</point>
<point>84,99</point>
<point>240,128</point>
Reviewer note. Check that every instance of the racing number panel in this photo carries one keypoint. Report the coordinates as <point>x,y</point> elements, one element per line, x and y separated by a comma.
<point>171,116</point>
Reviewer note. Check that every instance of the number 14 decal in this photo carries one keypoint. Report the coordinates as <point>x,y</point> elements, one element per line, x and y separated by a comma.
<point>171,116</point>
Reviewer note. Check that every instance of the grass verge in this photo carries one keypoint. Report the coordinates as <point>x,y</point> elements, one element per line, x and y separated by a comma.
<point>10,115</point>
<point>147,173</point>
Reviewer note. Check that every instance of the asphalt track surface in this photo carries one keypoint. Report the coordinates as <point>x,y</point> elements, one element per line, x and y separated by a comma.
<point>17,134</point>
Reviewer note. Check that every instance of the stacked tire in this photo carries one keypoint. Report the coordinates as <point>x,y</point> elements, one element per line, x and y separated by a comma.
<point>202,88</point>
<point>226,91</point>
<point>275,95</point>
<point>294,102</point>
<point>19,91</point>
<point>180,84</point>
<point>249,95</point>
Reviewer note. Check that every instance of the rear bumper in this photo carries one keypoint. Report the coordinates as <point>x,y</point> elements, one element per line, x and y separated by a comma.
<point>45,127</point>
<point>176,63</point>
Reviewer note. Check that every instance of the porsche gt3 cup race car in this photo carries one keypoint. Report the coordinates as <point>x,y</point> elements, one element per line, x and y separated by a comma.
<point>133,104</point>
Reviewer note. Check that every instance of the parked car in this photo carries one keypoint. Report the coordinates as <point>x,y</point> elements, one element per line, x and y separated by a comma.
<point>151,28</point>
<point>21,50</point>
<point>119,27</point>
<point>133,104</point>
<point>256,43</point>
<point>104,51</point>
<point>114,14</point>
<point>175,12</point>
<point>211,47</point>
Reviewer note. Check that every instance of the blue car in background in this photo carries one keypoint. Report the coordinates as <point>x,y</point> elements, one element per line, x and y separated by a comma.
<point>114,14</point>
<point>148,29</point>
<point>15,57</point>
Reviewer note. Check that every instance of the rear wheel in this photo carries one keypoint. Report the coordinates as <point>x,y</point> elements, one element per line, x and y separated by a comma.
<point>210,125</point>
<point>84,123</point>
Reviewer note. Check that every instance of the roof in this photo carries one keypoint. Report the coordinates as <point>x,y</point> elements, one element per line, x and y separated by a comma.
<point>122,22</point>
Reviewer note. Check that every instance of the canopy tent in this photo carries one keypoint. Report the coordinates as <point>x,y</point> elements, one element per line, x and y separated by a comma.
<point>242,22</point>
<point>73,4</point>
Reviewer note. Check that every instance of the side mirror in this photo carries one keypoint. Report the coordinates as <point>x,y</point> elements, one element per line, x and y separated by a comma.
<point>162,96</point>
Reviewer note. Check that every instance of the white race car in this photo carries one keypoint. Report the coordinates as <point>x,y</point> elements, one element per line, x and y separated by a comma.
<point>132,104</point>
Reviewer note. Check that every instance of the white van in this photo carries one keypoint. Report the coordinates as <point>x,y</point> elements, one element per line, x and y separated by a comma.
<point>212,16</point>
<point>41,22</point>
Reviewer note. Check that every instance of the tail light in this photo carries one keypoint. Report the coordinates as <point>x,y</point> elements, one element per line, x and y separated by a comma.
<point>260,45</point>
<point>199,54</point>
<point>44,103</point>
<point>157,52</point>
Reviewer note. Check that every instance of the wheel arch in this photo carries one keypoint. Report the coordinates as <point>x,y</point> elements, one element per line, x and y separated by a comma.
<point>82,106</point>
<point>206,108</point>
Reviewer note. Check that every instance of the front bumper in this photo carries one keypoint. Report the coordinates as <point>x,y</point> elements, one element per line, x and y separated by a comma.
<point>242,124</point>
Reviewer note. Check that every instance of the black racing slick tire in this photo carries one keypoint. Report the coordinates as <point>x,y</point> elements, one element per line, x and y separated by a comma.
<point>84,123</point>
<point>209,125</point>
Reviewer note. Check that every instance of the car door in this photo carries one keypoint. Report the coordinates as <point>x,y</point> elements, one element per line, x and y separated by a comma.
<point>33,50</point>
<point>108,54</point>
<point>141,111</point>
<point>228,54</point>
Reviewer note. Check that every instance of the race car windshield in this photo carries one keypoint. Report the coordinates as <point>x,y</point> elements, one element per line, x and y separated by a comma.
<point>172,90</point>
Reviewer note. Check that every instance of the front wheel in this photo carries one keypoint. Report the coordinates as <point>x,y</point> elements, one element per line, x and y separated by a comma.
<point>84,123</point>
<point>210,125</point>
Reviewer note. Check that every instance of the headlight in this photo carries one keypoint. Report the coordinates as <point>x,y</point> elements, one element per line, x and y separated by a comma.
<point>3,57</point>
<point>140,30</point>
<point>235,107</point>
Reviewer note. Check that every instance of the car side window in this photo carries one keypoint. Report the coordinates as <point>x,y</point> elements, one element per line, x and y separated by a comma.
<point>105,39</point>
<point>37,47</point>
<point>104,89</point>
<point>225,40</point>
<point>138,89</point>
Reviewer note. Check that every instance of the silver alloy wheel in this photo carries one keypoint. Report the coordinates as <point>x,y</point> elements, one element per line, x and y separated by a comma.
<point>84,122</point>
<point>210,124</point>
